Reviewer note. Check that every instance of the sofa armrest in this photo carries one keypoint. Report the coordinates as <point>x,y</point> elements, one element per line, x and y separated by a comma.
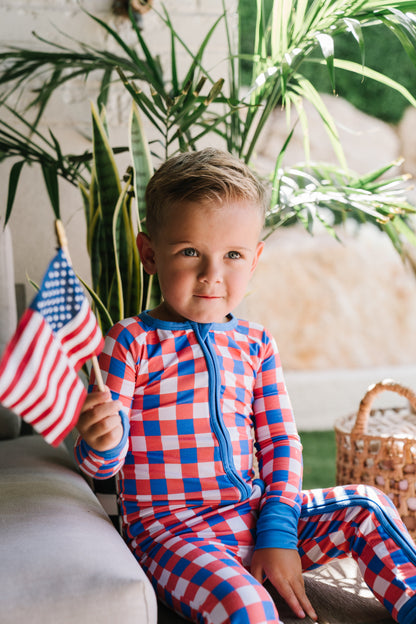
<point>62,559</point>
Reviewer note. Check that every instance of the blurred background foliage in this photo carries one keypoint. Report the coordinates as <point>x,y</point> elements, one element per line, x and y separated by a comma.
<point>383,53</point>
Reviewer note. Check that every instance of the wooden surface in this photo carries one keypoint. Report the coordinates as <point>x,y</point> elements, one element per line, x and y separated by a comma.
<point>337,593</point>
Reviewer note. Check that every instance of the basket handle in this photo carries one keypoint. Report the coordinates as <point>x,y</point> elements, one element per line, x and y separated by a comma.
<point>360,425</point>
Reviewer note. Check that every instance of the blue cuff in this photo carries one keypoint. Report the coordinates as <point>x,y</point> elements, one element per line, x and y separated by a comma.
<point>277,527</point>
<point>407,614</point>
<point>115,452</point>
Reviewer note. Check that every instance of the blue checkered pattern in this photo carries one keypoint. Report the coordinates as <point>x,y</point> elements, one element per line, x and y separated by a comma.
<point>194,394</point>
<point>192,511</point>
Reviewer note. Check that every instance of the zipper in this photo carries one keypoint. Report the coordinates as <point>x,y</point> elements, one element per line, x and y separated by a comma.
<point>216,420</point>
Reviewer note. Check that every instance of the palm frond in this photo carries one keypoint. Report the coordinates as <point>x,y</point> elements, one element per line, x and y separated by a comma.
<point>328,195</point>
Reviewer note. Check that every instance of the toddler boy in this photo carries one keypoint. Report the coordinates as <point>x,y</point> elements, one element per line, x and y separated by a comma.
<point>188,384</point>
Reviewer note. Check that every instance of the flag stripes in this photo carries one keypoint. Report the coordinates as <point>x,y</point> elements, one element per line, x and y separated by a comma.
<point>54,338</point>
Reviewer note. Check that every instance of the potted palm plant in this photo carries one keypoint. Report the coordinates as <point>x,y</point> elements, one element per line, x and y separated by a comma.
<point>196,105</point>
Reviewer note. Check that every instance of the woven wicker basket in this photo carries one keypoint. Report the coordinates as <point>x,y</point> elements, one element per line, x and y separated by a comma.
<point>383,456</point>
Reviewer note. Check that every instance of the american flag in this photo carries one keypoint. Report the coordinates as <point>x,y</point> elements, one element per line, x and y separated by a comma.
<point>55,336</point>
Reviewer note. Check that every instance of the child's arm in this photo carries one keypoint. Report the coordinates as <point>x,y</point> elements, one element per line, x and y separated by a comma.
<point>279,454</point>
<point>284,570</point>
<point>280,464</point>
<point>104,424</point>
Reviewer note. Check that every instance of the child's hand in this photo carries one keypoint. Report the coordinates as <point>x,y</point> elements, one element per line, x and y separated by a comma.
<point>99,423</point>
<point>284,570</point>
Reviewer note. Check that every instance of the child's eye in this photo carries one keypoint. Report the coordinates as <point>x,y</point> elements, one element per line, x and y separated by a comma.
<point>190,252</point>
<point>234,255</point>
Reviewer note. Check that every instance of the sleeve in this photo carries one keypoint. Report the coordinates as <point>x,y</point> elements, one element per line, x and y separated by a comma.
<point>118,368</point>
<point>279,453</point>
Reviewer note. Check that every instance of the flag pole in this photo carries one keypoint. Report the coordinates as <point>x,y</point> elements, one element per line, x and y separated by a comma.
<point>63,244</point>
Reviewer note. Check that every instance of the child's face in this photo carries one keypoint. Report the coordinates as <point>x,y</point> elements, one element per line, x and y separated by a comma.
<point>204,256</point>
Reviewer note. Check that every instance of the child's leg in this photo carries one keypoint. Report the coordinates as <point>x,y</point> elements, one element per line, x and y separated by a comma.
<point>197,561</point>
<point>362,521</point>
<point>205,582</point>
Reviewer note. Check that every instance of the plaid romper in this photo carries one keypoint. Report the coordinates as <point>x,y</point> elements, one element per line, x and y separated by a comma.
<point>192,508</point>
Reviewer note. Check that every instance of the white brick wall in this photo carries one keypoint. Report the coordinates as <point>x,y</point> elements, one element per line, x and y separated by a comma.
<point>69,112</point>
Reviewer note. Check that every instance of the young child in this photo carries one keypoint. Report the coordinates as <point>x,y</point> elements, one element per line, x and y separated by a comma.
<point>188,384</point>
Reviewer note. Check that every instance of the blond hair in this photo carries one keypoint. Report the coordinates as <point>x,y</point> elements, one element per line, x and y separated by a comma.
<point>208,175</point>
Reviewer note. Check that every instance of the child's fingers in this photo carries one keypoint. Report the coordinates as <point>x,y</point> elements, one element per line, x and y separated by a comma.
<point>100,412</point>
<point>294,595</point>
<point>257,571</point>
<point>101,427</point>
<point>105,427</point>
<point>96,398</point>
<point>99,422</point>
<point>284,570</point>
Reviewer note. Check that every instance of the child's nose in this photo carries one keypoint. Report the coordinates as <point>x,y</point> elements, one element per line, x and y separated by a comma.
<point>210,272</point>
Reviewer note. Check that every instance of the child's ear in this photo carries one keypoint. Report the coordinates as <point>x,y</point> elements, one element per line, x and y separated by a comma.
<point>146,253</point>
<point>259,249</point>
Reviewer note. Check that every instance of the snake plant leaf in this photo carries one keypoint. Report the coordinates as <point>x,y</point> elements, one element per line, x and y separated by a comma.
<point>134,288</point>
<point>85,196</point>
<point>14,177</point>
<point>94,221</point>
<point>127,285</point>
<point>109,189</point>
<point>142,162</point>
<point>121,253</point>
<point>101,312</point>
<point>142,171</point>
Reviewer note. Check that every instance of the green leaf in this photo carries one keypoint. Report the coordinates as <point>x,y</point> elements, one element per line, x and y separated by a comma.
<point>307,90</point>
<point>120,253</point>
<point>377,76</point>
<point>101,311</point>
<point>108,191</point>
<point>403,228</point>
<point>326,44</point>
<point>404,27</point>
<point>142,162</point>
<point>354,27</point>
<point>276,174</point>
<point>104,88</point>
<point>13,182</point>
<point>50,175</point>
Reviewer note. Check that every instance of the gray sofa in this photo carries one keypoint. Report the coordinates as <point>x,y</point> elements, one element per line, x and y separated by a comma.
<point>63,561</point>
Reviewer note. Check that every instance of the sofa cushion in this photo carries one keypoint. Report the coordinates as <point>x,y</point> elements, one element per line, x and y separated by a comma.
<point>62,560</point>
<point>10,424</point>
